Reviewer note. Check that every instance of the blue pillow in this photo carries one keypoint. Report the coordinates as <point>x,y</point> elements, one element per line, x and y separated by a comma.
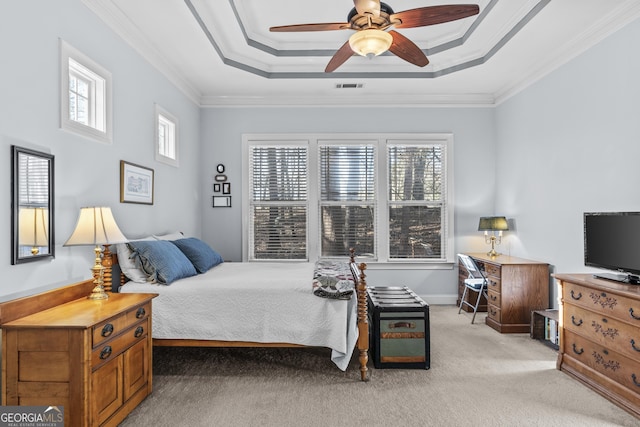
<point>199,253</point>
<point>162,261</point>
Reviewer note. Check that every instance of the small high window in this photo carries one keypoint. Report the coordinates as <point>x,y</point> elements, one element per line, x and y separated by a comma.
<point>166,140</point>
<point>85,95</point>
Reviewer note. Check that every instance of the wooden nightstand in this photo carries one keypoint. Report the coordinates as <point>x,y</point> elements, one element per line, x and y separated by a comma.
<point>91,357</point>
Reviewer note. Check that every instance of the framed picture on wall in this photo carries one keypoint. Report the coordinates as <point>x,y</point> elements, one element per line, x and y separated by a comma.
<point>136,183</point>
<point>216,188</point>
<point>226,188</point>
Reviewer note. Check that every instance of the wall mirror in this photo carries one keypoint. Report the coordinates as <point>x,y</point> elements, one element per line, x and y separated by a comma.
<point>31,205</point>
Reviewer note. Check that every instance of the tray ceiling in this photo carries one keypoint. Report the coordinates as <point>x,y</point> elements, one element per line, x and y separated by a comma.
<point>221,53</point>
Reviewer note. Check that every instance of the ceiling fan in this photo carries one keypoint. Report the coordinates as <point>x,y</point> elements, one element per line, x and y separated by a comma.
<point>371,18</point>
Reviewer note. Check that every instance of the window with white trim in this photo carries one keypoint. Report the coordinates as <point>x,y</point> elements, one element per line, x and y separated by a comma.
<point>85,95</point>
<point>166,137</point>
<point>388,196</point>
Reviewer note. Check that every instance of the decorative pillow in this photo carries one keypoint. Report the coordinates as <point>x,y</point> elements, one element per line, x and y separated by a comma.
<point>169,236</point>
<point>127,262</point>
<point>199,253</point>
<point>162,261</point>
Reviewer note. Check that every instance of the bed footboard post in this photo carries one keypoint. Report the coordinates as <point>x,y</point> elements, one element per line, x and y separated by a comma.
<point>363,323</point>
<point>107,263</point>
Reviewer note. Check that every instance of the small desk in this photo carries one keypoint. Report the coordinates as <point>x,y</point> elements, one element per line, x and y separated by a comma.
<point>517,286</point>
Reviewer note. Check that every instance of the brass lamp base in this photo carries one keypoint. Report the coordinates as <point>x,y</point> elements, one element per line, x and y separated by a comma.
<point>98,292</point>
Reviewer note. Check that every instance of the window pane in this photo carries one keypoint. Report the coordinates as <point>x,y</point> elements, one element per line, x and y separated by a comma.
<point>279,173</point>
<point>82,110</point>
<point>415,231</point>
<point>278,177</point>
<point>347,173</point>
<point>83,88</point>
<point>279,232</point>
<point>345,227</point>
<point>415,173</point>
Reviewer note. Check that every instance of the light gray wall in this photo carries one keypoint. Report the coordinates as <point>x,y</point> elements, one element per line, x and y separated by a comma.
<point>87,172</point>
<point>474,153</point>
<point>570,144</point>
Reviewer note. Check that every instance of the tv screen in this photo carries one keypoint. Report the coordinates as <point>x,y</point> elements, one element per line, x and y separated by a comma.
<point>612,242</point>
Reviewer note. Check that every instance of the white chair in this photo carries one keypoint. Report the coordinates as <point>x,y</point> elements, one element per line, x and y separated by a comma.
<point>476,282</point>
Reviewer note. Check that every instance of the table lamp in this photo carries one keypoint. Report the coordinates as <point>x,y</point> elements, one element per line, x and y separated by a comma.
<point>493,224</point>
<point>96,226</point>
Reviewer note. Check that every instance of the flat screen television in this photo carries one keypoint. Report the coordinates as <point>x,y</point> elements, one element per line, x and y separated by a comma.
<point>612,242</point>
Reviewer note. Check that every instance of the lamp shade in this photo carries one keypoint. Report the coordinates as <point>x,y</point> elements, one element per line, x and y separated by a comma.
<point>96,226</point>
<point>493,223</point>
<point>370,42</point>
<point>34,226</point>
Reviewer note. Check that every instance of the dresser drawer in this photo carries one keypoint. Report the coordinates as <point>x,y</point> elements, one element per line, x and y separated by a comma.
<point>492,270</point>
<point>604,330</point>
<point>622,308</point>
<point>494,297</point>
<point>110,349</point>
<point>609,363</point>
<point>493,312</point>
<point>112,327</point>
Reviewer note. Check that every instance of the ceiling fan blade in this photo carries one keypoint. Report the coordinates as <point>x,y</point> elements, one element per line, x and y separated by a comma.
<point>311,27</point>
<point>432,15</point>
<point>407,50</point>
<point>367,7</point>
<point>340,57</point>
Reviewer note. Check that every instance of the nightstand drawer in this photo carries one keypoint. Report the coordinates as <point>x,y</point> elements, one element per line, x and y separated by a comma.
<point>112,327</point>
<point>109,350</point>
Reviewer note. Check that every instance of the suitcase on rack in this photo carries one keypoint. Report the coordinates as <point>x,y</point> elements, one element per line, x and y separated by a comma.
<point>399,328</point>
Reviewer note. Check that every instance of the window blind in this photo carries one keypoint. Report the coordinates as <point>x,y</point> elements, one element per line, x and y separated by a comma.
<point>347,199</point>
<point>279,205</point>
<point>416,201</point>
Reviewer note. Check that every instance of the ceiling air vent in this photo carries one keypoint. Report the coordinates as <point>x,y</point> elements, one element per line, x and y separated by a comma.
<point>349,85</point>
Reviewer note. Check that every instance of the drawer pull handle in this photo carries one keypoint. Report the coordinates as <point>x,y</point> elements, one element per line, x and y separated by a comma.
<point>573,320</point>
<point>633,315</point>
<point>635,380</point>
<point>576,351</point>
<point>493,297</point>
<point>107,330</point>
<point>574,295</point>
<point>140,313</point>
<point>139,331</point>
<point>106,352</point>
<point>633,345</point>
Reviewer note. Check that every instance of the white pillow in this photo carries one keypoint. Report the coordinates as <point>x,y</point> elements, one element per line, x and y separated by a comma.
<point>128,264</point>
<point>170,236</point>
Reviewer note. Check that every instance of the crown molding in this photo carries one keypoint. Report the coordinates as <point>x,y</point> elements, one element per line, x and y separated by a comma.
<point>445,100</point>
<point>612,23</point>
<point>111,15</point>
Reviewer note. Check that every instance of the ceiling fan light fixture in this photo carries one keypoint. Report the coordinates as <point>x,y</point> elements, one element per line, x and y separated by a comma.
<point>370,42</point>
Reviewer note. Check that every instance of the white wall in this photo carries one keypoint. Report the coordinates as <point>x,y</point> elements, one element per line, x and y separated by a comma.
<point>474,139</point>
<point>570,144</point>
<point>86,172</point>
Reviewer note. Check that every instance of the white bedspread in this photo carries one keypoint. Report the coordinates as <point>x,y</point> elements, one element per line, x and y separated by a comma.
<point>257,302</point>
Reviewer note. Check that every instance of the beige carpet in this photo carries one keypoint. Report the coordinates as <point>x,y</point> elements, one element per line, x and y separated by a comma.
<point>477,377</point>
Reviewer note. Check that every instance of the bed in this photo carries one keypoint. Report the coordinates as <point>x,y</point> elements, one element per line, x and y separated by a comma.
<point>252,304</point>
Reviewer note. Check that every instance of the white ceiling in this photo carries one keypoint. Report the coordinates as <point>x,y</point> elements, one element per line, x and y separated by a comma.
<point>221,53</point>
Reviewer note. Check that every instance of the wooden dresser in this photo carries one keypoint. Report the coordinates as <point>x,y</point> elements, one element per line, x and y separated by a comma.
<point>91,357</point>
<point>517,286</point>
<point>600,336</point>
